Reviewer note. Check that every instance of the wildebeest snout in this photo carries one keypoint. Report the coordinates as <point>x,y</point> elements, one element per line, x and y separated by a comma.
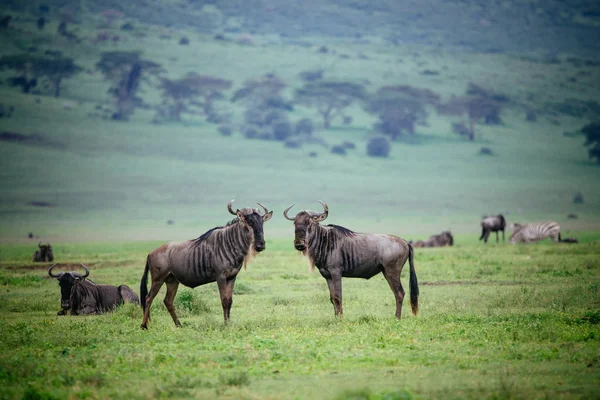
<point>300,244</point>
<point>260,246</point>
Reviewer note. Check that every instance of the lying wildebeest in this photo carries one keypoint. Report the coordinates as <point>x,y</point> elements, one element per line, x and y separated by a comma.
<point>492,224</point>
<point>338,252</point>
<point>533,232</point>
<point>217,255</point>
<point>443,239</point>
<point>44,253</point>
<point>82,296</point>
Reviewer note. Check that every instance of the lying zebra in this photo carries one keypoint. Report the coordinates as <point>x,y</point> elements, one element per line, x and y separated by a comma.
<point>529,233</point>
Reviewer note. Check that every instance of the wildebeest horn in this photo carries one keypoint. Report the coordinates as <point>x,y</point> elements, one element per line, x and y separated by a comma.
<point>230,208</point>
<point>263,207</point>
<point>54,276</point>
<point>87,271</point>
<point>286,211</point>
<point>325,212</point>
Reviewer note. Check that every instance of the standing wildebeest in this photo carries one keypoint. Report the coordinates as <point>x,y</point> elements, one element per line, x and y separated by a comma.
<point>492,224</point>
<point>44,253</point>
<point>82,296</point>
<point>217,255</point>
<point>534,232</point>
<point>338,252</point>
<point>443,239</point>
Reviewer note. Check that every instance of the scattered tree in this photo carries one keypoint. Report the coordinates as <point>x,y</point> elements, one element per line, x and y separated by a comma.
<point>399,108</point>
<point>304,126</point>
<point>125,71</point>
<point>30,69</point>
<point>330,98</point>
<point>592,139</point>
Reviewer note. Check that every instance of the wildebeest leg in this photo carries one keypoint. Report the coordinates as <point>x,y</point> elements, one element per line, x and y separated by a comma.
<point>226,293</point>
<point>172,285</point>
<point>486,236</point>
<point>392,276</point>
<point>497,239</point>
<point>502,235</point>
<point>62,312</point>
<point>154,288</point>
<point>335,294</point>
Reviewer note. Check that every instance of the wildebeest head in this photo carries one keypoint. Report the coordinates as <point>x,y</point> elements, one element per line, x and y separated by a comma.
<point>447,237</point>
<point>66,280</point>
<point>302,222</point>
<point>252,219</point>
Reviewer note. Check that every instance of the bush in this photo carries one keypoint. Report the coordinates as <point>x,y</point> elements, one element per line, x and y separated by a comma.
<point>531,116</point>
<point>578,198</point>
<point>292,143</point>
<point>282,129</point>
<point>348,144</point>
<point>312,154</point>
<point>486,151</point>
<point>304,127</point>
<point>378,146</point>
<point>338,149</point>
<point>273,116</point>
<point>250,132</point>
<point>184,40</point>
<point>225,130</point>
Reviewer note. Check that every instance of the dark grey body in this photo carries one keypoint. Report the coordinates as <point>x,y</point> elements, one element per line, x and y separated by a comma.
<point>90,298</point>
<point>44,254</point>
<point>216,256</point>
<point>338,252</point>
<point>492,224</point>
<point>443,239</point>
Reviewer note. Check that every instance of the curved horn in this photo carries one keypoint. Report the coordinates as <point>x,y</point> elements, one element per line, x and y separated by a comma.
<point>52,275</point>
<point>87,271</point>
<point>286,211</point>
<point>325,212</point>
<point>263,207</point>
<point>230,208</point>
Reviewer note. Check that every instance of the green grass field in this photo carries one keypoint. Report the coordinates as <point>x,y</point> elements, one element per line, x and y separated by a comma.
<point>495,321</point>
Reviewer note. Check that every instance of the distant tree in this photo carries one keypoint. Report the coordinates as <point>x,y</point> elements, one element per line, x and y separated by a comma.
<point>592,139</point>
<point>330,98</point>
<point>265,91</point>
<point>378,146</point>
<point>125,71</point>
<point>399,108</point>
<point>180,95</point>
<point>40,23</point>
<point>304,126</point>
<point>30,69</point>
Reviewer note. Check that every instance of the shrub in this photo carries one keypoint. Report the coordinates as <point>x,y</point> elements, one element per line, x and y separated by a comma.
<point>313,154</point>
<point>348,144</point>
<point>304,127</point>
<point>282,129</point>
<point>486,151</point>
<point>578,198</point>
<point>250,132</point>
<point>184,40</point>
<point>531,116</point>
<point>225,130</point>
<point>347,120</point>
<point>292,143</point>
<point>338,149</point>
<point>378,146</point>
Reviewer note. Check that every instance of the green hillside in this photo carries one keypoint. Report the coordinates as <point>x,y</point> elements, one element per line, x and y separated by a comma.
<point>84,176</point>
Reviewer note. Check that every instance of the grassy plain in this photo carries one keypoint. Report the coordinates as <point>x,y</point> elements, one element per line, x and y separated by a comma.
<point>496,321</point>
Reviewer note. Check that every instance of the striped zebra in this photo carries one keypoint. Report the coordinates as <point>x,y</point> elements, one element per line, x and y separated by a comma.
<point>534,232</point>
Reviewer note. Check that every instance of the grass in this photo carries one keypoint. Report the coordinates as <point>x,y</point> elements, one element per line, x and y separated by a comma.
<point>495,321</point>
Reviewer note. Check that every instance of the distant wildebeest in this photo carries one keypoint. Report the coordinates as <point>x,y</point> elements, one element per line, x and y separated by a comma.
<point>82,296</point>
<point>339,252</point>
<point>44,254</point>
<point>217,255</point>
<point>443,239</point>
<point>534,232</point>
<point>492,224</point>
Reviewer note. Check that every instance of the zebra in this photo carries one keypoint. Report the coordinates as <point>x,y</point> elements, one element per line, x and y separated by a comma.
<point>534,232</point>
<point>492,224</point>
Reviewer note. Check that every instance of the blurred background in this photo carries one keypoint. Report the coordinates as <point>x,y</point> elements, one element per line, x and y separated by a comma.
<point>141,119</point>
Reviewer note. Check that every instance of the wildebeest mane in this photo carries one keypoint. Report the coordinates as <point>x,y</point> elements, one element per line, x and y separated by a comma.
<point>79,291</point>
<point>205,235</point>
<point>343,231</point>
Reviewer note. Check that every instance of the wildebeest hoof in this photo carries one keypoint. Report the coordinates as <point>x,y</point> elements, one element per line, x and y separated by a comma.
<point>62,312</point>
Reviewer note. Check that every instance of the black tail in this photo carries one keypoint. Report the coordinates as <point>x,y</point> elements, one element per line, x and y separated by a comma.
<point>559,238</point>
<point>144,284</point>
<point>482,232</point>
<point>414,285</point>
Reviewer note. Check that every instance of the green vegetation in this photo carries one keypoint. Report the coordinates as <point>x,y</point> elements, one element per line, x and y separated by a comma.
<point>495,321</point>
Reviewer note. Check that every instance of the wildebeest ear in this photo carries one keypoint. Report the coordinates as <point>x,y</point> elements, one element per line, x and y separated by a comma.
<point>319,218</point>
<point>267,216</point>
<point>240,216</point>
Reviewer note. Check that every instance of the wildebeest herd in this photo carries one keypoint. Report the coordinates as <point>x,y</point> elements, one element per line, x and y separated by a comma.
<point>219,254</point>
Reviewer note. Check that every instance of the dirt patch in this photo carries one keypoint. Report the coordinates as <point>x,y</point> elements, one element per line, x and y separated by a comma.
<point>32,140</point>
<point>60,267</point>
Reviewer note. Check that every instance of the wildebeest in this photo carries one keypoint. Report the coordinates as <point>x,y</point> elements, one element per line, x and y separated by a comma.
<point>492,224</point>
<point>217,255</point>
<point>44,253</point>
<point>533,232</point>
<point>443,239</point>
<point>82,296</point>
<point>339,252</point>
